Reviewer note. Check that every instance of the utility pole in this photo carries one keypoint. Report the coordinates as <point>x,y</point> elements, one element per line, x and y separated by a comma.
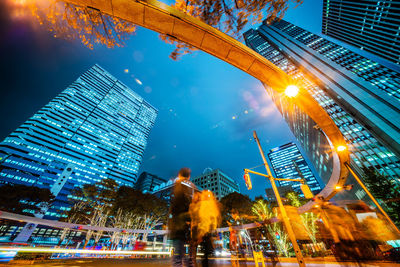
<point>285,218</point>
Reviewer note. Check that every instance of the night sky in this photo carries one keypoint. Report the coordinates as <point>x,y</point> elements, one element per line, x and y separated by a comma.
<point>207,108</point>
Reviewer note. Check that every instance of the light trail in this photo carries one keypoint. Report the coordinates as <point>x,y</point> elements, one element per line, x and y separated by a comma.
<point>83,251</point>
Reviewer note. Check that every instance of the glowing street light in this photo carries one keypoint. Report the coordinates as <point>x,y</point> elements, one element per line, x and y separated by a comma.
<point>338,187</point>
<point>291,91</point>
<point>341,148</point>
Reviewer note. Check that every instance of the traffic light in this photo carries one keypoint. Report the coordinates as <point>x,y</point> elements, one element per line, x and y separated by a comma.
<point>277,235</point>
<point>247,181</point>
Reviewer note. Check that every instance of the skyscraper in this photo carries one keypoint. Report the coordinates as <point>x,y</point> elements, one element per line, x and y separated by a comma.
<point>288,162</point>
<point>147,181</point>
<point>95,129</point>
<point>371,25</point>
<point>217,182</point>
<point>361,96</point>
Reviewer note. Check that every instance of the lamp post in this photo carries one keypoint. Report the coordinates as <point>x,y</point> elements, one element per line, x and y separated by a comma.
<point>285,218</point>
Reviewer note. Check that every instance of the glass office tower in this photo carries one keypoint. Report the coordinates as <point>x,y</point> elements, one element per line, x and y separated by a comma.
<point>95,129</point>
<point>371,25</point>
<point>287,162</point>
<point>361,96</point>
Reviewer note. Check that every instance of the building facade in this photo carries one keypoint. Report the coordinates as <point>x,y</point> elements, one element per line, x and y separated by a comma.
<point>371,25</point>
<point>147,181</point>
<point>165,190</point>
<point>288,162</point>
<point>95,129</point>
<point>361,96</point>
<point>217,182</point>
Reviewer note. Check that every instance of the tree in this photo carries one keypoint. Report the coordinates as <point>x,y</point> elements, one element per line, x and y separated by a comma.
<point>383,189</point>
<point>147,207</point>
<point>229,16</point>
<point>86,24</point>
<point>236,209</point>
<point>24,199</point>
<point>93,205</point>
<point>308,219</point>
<point>92,26</point>
<point>275,231</point>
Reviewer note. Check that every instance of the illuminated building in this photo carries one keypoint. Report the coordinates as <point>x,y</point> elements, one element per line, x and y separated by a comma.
<point>287,162</point>
<point>147,181</point>
<point>371,25</point>
<point>95,129</point>
<point>217,182</point>
<point>361,96</point>
<point>164,191</point>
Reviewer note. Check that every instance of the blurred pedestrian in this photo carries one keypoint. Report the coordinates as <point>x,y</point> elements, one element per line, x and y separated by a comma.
<point>205,215</point>
<point>179,218</point>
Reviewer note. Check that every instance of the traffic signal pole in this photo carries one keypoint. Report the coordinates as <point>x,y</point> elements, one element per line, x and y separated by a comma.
<point>285,218</point>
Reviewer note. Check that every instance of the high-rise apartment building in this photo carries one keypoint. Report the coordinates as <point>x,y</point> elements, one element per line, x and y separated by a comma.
<point>217,182</point>
<point>361,96</point>
<point>147,181</point>
<point>288,162</point>
<point>371,25</point>
<point>95,129</point>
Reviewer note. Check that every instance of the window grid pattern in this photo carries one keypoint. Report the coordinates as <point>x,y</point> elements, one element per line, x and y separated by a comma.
<point>284,160</point>
<point>97,124</point>
<point>376,74</point>
<point>217,182</point>
<point>371,25</point>
<point>365,149</point>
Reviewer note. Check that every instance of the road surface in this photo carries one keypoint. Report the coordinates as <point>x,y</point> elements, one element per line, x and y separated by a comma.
<point>166,262</point>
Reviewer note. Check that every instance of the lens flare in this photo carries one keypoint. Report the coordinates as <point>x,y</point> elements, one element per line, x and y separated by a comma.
<point>292,90</point>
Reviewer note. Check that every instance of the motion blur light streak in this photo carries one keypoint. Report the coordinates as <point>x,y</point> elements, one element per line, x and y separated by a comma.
<point>85,251</point>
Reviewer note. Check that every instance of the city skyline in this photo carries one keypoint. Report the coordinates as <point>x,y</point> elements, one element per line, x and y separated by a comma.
<point>95,129</point>
<point>203,102</point>
<point>196,96</point>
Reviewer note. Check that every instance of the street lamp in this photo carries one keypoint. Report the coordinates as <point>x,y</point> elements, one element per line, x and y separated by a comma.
<point>282,210</point>
<point>341,148</point>
<point>291,91</point>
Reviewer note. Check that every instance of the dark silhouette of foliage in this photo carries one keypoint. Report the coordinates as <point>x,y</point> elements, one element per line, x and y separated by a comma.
<point>382,188</point>
<point>21,198</point>
<point>132,200</point>
<point>229,16</point>
<point>236,208</point>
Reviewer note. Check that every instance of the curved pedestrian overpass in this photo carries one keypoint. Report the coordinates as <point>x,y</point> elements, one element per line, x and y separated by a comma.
<point>164,19</point>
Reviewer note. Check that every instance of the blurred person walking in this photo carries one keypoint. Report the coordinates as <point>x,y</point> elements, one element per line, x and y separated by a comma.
<point>205,215</point>
<point>179,222</point>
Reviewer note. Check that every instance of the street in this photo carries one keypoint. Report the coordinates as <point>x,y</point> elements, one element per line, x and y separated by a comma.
<point>166,262</point>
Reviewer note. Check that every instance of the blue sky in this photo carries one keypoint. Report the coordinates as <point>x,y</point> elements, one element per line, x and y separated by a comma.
<point>207,108</point>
